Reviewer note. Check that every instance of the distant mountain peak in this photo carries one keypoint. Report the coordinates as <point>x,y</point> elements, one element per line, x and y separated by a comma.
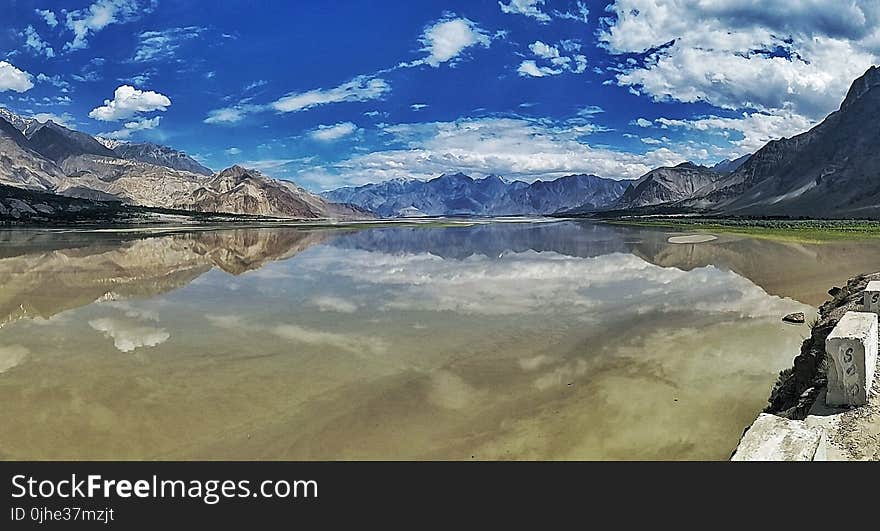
<point>457,175</point>
<point>237,171</point>
<point>109,143</point>
<point>667,184</point>
<point>869,81</point>
<point>57,143</point>
<point>728,165</point>
<point>159,155</point>
<point>19,122</point>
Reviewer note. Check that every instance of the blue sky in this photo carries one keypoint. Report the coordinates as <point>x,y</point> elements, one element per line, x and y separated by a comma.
<point>349,92</point>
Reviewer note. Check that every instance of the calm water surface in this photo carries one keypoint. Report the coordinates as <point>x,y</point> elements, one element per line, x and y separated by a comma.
<point>542,340</point>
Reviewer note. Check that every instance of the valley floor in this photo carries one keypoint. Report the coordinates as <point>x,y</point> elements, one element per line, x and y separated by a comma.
<point>805,230</point>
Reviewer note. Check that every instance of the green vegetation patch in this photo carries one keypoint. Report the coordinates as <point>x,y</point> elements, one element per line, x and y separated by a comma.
<point>806,230</point>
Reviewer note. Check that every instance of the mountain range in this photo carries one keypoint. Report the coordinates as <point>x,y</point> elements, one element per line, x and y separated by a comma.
<point>829,171</point>
<point>459,194</point>
<point>665,185</point>
<point>53,159</point>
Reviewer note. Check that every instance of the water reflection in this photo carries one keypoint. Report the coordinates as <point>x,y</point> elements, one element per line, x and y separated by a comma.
<point>43,273</point>
<point>529,340</point>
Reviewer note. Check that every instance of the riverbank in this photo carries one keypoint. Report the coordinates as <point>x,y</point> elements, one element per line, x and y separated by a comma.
<point>799,392</point>
<point>802,230</point>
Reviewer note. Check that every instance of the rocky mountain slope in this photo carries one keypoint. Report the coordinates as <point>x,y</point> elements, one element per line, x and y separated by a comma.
<point>56,143</point>
<point>24,125</point>
<point>21,166</point>
<point>831,170</point>
<point>459,194</point>
<point>137,183</point>
<point>159,156</point>
<point>54,159</point>
<point>669,184</point>
<point>238,189</point>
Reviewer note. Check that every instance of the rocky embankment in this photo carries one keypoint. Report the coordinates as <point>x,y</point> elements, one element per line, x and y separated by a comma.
<point>799,393</point>
<point>19,206</point>
<point>798,387</point>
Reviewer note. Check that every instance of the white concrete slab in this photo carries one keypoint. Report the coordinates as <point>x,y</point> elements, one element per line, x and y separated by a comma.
<point>851,349</point>
<point>772,438</point>
<point>871,295</point>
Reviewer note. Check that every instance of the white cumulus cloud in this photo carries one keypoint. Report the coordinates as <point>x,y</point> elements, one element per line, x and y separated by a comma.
<point>447,39</point>
<point>128,101</point>
<point>530,68</point>
<point>756,128</point>
<point>517,148</point>
<point>799,57</point>
<point>12,78</point>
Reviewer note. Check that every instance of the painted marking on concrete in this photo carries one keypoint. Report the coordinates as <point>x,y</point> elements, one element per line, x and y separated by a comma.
<point>872,297</point>
<point>852,350</point>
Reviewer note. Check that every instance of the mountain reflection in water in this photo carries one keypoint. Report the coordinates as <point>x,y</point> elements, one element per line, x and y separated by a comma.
<point>559,340</point>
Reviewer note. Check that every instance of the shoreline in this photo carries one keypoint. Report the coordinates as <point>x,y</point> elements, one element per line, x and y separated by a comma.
<point>797,398</point>
<point>795,230</point>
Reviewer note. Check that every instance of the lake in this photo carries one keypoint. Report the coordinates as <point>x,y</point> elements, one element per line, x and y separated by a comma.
<point>541,339</point>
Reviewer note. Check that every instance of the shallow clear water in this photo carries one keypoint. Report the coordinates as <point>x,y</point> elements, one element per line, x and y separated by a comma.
<point>542,340</point>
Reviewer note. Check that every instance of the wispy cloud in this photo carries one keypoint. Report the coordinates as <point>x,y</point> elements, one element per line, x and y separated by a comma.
<point>36,43</point>
<point>361,88</point>
<point>163,45</point>
<point>142,124</point>
<point>55,81</point>
<point>231,115</point>
<point>535,9</point>
<point>528,8</point>
<point>48,16</point>
<point>554,61</point>
<point>329,133</point>
<point>256,84</point>
<point>97,16</point>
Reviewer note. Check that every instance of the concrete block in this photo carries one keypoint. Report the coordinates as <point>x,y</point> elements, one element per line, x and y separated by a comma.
<point>851,349</point>
<point>772,438</point>
<point>871,295</point>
